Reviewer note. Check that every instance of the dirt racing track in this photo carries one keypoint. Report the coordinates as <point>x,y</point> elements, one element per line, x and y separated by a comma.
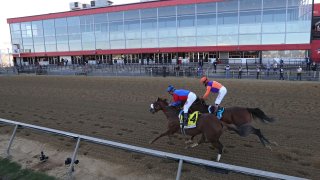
<point>117,109</point>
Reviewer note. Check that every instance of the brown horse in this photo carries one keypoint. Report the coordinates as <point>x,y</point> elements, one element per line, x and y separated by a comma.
<point>207,125</point>
<point>238,119</point>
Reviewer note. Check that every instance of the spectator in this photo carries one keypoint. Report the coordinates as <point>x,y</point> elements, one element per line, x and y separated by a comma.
<point>240,72</point>
<point>215,66</point>
<point>201,63</point>
<point>275,67</point>
<point>299,72</point>
<point>258,71</point>
<point>308,62</point>
<point>281,63</point>
<point>164,71</point>
<point>227,69</point>
<point>281,73</point>
<point>314,69</point>
<point>268,68</point>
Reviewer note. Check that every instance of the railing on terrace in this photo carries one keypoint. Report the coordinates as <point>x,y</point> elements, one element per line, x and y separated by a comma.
<point>161,154</point>
<point>183,70</point>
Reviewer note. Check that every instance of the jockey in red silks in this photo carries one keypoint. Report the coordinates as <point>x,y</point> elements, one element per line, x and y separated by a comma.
<point>214,87</point>
<point>179,96</point>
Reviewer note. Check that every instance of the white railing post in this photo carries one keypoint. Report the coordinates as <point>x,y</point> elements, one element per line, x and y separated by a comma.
<point>74,156</point>
<point>179,169</point>
<point>11,140</point>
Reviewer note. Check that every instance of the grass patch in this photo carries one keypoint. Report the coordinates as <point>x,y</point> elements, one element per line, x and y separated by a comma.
<point>12,170</point>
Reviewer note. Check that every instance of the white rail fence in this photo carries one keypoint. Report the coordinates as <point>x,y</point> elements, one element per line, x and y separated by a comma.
<point>161,154</point>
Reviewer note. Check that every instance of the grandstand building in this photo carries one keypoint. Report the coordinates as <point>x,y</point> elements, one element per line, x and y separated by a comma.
<point>168,31</point>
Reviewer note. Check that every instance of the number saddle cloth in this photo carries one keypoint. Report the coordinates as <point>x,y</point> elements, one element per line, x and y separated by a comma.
<point>192,119</point>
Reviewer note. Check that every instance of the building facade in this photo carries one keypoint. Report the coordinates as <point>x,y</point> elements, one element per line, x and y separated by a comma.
<point>163,31</point>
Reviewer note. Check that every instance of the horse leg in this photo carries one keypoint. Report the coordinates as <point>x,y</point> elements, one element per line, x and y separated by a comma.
<point>202,140</point>
<point>218,145</point>
<point>188,141</point>
<point>168,132</point>
<point>245,130</point>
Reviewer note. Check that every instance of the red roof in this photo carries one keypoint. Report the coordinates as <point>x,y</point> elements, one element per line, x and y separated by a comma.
<point>113,8</point>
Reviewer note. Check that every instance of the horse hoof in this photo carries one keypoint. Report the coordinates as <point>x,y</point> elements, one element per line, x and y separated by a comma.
<point>194,145</point>
<point>275,143</point>
<point>269,147</point>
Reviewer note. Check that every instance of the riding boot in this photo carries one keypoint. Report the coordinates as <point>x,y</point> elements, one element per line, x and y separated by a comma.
<point>219,113</point>
<point>185,119</point>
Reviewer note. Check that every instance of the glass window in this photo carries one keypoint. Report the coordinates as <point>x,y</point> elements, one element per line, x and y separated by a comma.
<point>298,38</point>
<point>274,4</point>
<point>228,5</point>
<point>89,46</point>
<point>88,19</point>
<point>149,24</point>
<point>186,41</point>
<point>75,46</point>
<point>119,44</point>
<point>51,47</point>
<point>102,45</point>
<point>132,25</point>
<point>15,27</point>
<point>249,39</point>
<point>36,24</point>
<point>116,26</point>
<point>38,40</point>
<point>133,14</point>
<point>148,13</point>
<point>50,39</point>
<point>250,4</point>
<point>37,32</point>
<point>205,31</point>
<point>228,18</point>
<point>149,43</point>
<point>250,17</point>
<point>186,9</point>
<point>168,42</point>
<point>227,29</point>
<point>61,30</point>
<point>207,41</point>
<point>292,3</point>
<point>249,28</point>
<point>62,47</point>
<point>149,34</point>
<point>39,48</point>
<point>167,23</point>
<point>133,43</point>
<point>116,16</point>
<point>273,38</point>
<point>167,11</point>
<point>74,29</point>
<point>186,32</point>
<point>274,15</point>
<point>100,18</point>
<point>61,22</point>
<point>186,21</point>
<point>62,39</point>
<point>273,27</point>
<point>26,26</point>
<point>133,35</point>
<point>206,20</point>
<point>48,27</point>
<point>164,33</point>
<point>73,21</point>
<point>228,40</point>
<point>206,8</point>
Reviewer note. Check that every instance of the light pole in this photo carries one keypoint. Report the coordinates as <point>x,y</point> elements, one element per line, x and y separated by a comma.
<point>9,57</point>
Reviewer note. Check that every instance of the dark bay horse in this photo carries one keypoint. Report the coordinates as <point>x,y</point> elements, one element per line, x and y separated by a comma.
<point>207,125</point>
<point>238,119</point>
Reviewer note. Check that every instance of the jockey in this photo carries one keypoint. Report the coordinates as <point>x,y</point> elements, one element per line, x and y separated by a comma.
<point>214,87</point>
<point>179,96</point>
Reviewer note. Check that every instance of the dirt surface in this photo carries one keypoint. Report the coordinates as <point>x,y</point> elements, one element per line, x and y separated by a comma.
<point>117,109</point>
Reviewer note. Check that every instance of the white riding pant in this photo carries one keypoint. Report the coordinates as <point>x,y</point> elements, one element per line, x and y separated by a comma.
<point>191,98</point>
<point>222,93</point>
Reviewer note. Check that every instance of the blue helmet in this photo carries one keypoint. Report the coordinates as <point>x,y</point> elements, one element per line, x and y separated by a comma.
<point>170,88</point>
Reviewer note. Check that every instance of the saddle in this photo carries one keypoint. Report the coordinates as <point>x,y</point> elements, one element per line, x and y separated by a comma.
<point>192,119</point>
<point>219,112</point>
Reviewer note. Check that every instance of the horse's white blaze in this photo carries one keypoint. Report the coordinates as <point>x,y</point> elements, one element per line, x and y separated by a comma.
<point>151,106</point>
<point>218,157</point>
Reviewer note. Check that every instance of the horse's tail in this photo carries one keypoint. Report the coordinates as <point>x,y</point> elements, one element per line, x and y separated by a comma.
<point>258,113</point>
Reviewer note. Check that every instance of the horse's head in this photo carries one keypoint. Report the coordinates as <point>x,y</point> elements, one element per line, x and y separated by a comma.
<point>158,105</point>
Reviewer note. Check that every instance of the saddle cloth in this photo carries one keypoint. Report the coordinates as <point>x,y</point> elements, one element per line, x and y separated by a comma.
<point>192,119</point>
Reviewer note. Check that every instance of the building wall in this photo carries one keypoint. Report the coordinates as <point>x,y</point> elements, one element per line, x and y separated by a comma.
<point>226,23</point>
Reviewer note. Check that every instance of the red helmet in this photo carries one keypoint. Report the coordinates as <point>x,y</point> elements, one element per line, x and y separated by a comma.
<point>204,79</point>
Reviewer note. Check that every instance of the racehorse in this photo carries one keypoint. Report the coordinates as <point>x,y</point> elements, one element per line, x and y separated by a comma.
<point>237,119</point>
<point>207,125</point>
